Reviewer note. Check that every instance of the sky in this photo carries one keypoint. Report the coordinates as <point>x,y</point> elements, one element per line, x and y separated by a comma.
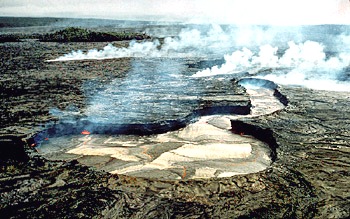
<point>275,12</point>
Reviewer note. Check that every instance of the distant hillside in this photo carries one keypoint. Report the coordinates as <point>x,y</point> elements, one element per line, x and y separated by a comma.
<point>74,34</point>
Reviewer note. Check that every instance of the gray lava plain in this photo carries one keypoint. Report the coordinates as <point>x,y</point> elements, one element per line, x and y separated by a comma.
<point>309,139</point>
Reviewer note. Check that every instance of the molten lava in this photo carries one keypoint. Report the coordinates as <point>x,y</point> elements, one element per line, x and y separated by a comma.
<point>85,132</point>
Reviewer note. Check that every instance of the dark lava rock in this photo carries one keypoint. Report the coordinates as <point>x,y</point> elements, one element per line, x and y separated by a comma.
<point>12,148</point>
<point>309,178</point>
<point>30,87</point>
<point>156,96</point>
<point>313,137</point>
<point>74,34</point>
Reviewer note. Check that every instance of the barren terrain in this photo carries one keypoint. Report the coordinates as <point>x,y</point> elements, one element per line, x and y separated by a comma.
<point>310,140</point>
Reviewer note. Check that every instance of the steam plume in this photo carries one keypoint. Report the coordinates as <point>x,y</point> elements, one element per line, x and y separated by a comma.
<point>189,42</point>
<point>304,64</point>
<point>302,61</point>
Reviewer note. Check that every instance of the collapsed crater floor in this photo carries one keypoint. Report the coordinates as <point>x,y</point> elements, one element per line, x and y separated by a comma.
<point>206,148</point>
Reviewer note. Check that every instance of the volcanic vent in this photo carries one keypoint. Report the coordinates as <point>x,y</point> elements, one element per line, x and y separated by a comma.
<point>194,140</point>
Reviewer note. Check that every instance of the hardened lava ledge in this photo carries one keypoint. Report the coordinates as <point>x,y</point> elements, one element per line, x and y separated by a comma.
<point>203,145</point>
<point>309,178</point>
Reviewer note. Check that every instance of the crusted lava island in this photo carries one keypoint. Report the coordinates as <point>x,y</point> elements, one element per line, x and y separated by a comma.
<point>120,134</point>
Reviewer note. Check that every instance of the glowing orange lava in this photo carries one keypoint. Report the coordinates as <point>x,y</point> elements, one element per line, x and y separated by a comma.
<point>85,132</point>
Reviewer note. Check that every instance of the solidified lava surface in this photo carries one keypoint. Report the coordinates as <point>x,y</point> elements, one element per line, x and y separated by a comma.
<point>308,178</point>
<point>202,149</point>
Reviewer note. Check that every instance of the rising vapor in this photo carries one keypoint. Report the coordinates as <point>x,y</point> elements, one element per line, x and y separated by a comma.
<point>304,64</point>
<point>301,61</point>
<point>189,43</point>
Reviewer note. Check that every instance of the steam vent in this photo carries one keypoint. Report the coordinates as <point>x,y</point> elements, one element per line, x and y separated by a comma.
<point>186,132</point>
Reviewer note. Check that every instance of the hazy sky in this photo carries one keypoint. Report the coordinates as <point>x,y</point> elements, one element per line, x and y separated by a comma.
<point>280,12</point>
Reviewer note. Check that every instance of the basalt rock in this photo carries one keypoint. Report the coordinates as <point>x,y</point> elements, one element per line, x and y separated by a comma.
<point>12,148</point>
<point>309,178</point>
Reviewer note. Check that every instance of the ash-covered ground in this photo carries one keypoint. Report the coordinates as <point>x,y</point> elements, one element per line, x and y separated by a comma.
<point>64,90</point>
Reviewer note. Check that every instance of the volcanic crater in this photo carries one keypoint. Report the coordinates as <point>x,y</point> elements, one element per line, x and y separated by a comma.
<point>307,143</point>
<point>200,139</point>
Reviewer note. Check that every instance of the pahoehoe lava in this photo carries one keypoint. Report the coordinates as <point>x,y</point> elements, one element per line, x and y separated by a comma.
<point>309,140</point>
<point>201,145</point>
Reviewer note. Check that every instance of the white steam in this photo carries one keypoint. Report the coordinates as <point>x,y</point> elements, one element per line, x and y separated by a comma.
<point>304,64</point>
<point>303,61</point>
<point>189,42</point>
<point>109,52</point>
<point>304,57</point>
<point>193,42</point>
